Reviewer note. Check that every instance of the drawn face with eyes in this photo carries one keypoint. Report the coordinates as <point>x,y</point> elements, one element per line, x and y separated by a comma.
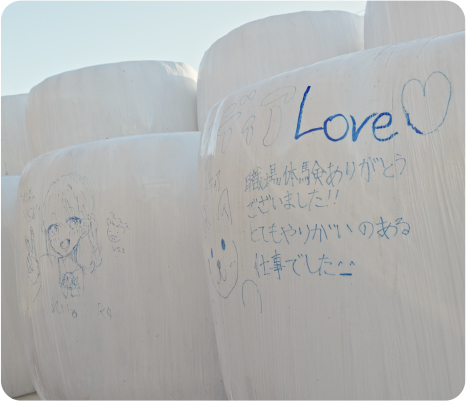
<point>64,233</point>
<point>223,267</point>
<point>114,232</point>
<point>223,258</point>
<point>70,229</point>
<point>63,225</point>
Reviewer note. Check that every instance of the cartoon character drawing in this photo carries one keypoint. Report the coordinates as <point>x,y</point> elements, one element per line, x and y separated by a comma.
<point>223,258</point>
<point>223,267</point>
<point>116,228</point>
<point>70,230</point>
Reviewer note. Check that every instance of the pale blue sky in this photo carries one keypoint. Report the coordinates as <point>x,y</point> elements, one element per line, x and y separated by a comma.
<point>41,39</point>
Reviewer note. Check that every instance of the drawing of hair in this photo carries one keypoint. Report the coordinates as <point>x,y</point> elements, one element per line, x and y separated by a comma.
<point>70,227</point>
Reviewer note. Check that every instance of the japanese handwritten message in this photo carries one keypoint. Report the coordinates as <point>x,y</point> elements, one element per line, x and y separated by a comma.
<point>279,208</point>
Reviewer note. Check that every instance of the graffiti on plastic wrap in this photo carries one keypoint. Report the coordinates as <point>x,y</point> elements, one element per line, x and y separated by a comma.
<point>222,258</point>
<point>116,230</point>
<point>234,116</point>
<point>237,121</point>
<point>319,174</point>
<point>70,227</point>
<point>281,190</point>
<point>70,232</point>
<point>307,233</point>
<point>412,89</point>
<point>105,312</point>
<point>279,265</point>
<point>63,308</point>
<point>268,204</point>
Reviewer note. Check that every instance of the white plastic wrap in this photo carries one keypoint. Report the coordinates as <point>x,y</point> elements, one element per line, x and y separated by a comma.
<point>115,298</point>
<point>16,144</point>
<point>112,100</point>
<point>270,46</point>
<point>15,375</point>
<point>333,215</point>
<point>392,22</point>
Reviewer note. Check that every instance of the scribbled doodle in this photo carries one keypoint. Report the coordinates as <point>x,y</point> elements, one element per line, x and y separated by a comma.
<point>275,115</point>
<point>29,214</point>
<point>229,110</point>
<point>224,209</point>
<point>439,88</point>
<point>28,196</point>
<point>245,98</point>
<point>213,182</point>
<point>207,223</point>
<point>104,312</point>
<point>251,288</point>
<point>248,129</point>
<point>286,92</point>
<point>223,267</point>
<point>33,265</point>
<point>225,130</point>
<point>272,100</point>
<point>115,228</point>
<point>63,309</point>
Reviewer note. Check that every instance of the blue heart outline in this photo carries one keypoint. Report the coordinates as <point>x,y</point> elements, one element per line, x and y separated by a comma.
<point>424,94</point>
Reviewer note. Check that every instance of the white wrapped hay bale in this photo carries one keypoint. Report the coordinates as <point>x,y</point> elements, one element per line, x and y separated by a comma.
<point>15,374</point>
<point>270,46</point>
<point>333,208</point>
<point>112,100</point>
<point>392,22</point>
<point>17,148</point>
<point>115,297</point>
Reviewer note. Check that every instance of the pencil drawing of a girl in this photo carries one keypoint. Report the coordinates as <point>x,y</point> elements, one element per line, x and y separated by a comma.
<point>70,229</point>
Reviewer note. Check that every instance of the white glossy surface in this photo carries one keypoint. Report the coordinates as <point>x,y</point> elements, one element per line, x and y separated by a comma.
<point>17,148</point>
<point>392,22</point>
<point>116,303</point>
<point>271,46</point>
<point>112,100</point>
<point>336,267</point>
<point>15,375</point>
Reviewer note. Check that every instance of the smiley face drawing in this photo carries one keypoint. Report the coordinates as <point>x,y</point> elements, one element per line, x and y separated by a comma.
<point>223,267</point>
<point>116,228</point>
<point>114,232</point>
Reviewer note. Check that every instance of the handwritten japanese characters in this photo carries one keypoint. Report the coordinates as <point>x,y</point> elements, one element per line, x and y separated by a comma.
<point>344,184</point>
<point>293,201</point>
